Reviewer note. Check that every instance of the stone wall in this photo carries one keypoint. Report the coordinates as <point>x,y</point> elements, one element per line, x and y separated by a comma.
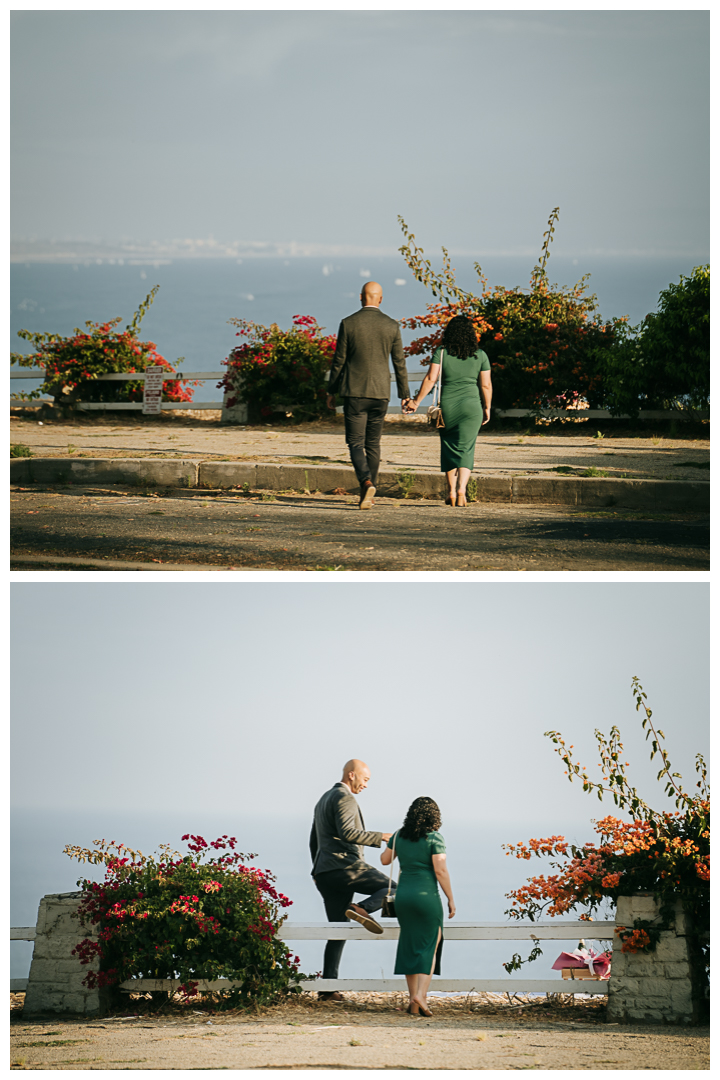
<point>651,987</point>
<point>55,980</point>
<point>234,414</point>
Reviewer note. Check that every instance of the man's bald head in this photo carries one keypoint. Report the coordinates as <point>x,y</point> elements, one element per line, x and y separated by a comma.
<point>356,775</point>
<point>371,295</point>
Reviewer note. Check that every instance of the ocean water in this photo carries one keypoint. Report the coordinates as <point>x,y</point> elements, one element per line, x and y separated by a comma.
<point>480,871</point>
<point>189,317</point>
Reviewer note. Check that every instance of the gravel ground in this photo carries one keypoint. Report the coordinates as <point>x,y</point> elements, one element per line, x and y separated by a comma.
<point>406,443</point>
<point>366,1031</point>
<point>267,531</point>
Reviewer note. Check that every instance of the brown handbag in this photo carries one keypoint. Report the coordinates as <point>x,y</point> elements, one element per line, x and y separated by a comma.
<point>434,413</point>
<point>388,904</point>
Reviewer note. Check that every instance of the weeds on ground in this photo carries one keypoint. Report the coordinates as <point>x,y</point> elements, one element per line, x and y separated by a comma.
<point>472,490</point>
<point>20,450</point>
<point>405,479</point>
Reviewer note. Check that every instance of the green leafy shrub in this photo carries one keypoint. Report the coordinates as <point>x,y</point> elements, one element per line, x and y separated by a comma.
<point>20,450</point>
<point>192,917</point>
<point>72,364</point>
<point>545,343</point>
<point>664,363</point>
<point>280,370</point>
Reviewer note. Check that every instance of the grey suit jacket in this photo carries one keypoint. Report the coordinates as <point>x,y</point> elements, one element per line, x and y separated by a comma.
<point>338,832</point>
<point>360,368</point>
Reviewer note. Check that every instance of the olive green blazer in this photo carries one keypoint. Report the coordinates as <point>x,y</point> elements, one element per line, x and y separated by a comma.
<point>360,369</point>
<point>338,832</point>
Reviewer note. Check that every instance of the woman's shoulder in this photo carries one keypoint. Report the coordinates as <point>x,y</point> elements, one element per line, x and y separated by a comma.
<point>484,359</point>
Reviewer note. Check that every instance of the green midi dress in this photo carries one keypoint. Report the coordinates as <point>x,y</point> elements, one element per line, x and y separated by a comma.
<point>461,408</point>
<point>418,905</point>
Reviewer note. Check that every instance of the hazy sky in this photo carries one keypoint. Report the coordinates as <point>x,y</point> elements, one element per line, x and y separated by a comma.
<point>323,126</point>
<point>250,697</point>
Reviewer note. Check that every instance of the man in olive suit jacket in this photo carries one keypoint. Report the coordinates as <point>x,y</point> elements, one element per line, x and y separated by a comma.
<point>338,867</point>
<point>360,374</point>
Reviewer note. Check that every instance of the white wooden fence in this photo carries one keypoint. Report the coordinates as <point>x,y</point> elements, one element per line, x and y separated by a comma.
<point>413,377</point>
<point>461,931</point>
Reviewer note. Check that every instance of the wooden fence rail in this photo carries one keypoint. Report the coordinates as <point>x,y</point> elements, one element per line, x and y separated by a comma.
<point>461,931</point>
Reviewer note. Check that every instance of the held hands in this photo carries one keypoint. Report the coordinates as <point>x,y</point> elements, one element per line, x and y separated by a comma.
<point>409,405</point>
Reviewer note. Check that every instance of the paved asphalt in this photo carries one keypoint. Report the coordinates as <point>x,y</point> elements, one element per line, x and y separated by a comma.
<point>326,532</point>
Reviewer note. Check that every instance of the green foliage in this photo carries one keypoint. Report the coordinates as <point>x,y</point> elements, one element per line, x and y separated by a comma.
<point>72,364</point>
<point>545,343</point>
<point>280,370</point>
<point>517,962</point>
<point>664,363</point>
<point>190,917</point>
<point>20,450</point>
<point>406,479</point>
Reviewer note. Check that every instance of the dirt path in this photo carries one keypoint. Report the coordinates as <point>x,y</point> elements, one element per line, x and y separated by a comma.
<point>361,1033</point>
<point>226,530</point>
<point>406,444</point>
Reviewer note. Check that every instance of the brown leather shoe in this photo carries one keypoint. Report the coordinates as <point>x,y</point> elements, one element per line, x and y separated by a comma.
<point>367,491</point>
<point>360,915</point>
<point>330,995</point>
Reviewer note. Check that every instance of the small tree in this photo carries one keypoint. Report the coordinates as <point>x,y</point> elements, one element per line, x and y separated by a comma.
<point>195,916</point>
<point>544,342</point>
<point>665,363</point>
<point>665,853</point>
<point>72,364</point>
<point>280,370</point>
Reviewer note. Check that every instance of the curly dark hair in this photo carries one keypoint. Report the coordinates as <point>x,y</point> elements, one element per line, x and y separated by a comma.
<point>460,338</point>
<point>422,818</point>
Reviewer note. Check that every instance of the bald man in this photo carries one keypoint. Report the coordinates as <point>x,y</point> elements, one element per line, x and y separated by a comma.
<point>338,867</point>
<point>361,375</point>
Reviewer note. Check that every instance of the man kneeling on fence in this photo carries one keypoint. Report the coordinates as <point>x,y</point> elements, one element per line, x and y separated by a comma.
<point>339,869</point>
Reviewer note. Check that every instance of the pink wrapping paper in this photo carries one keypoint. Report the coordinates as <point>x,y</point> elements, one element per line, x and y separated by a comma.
<point>597,963</point>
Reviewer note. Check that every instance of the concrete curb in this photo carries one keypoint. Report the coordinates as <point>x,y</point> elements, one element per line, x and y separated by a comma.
<point>585,492</point>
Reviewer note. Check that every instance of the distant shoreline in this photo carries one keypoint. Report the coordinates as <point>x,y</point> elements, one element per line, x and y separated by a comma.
<point>162,254</point>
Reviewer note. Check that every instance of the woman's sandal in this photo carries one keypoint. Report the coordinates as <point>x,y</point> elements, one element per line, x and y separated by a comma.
<point>461,500</point>
<point>450,501</point>
<point>424,1012</point>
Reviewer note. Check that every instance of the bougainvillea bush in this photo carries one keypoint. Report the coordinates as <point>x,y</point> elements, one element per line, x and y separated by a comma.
<point>666,853</point>
<point>545,343</point>
<point>72,364</point>
<point>203,915</point>
<point>280,371</point>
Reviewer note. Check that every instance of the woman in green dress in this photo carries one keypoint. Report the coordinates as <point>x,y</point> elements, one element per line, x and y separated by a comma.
<point>464,378</point>
<point>420,850</point>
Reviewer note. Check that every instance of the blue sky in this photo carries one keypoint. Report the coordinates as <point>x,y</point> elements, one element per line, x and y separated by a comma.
<point>323,126</point>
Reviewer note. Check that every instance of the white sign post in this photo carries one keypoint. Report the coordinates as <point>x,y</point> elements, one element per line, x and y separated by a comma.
<point>152,389</point>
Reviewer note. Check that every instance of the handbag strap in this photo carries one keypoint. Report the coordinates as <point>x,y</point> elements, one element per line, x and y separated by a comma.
<point>391,863</point>
<point>438,384</point>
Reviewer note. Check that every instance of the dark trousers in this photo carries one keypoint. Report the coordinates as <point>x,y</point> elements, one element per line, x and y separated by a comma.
<point>337,888</point>
<point>363,427</point>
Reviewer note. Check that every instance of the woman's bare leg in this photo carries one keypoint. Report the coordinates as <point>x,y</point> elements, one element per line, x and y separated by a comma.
<point>462,481</point>
<point>451,476</point>
<point>423,981</point>
<point>412,988</point>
